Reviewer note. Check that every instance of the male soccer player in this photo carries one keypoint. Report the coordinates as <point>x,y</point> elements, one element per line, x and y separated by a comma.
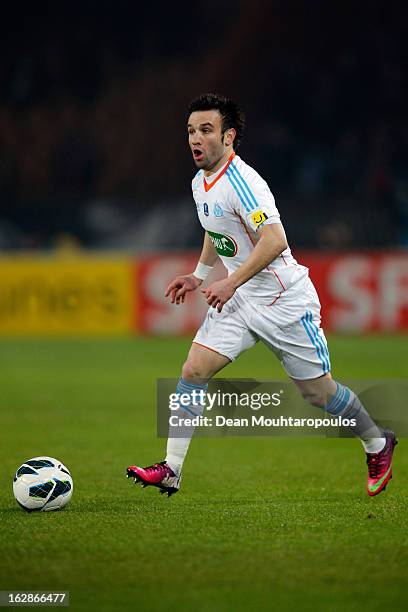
<point>267,295</point>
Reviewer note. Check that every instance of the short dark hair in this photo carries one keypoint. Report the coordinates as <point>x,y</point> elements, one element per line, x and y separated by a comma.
<point>232,115</point>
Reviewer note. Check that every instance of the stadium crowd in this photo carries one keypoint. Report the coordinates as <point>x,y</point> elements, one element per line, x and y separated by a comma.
<point>95,111</point>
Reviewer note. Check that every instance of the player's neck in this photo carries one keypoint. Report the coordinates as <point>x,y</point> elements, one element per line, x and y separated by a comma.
<point>229,153</point>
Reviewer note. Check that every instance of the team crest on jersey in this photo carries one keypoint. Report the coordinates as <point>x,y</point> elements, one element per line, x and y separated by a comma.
<point>218,212</point>
<point>224,245</point>
<point>205,208</point>
<point>258,217</point>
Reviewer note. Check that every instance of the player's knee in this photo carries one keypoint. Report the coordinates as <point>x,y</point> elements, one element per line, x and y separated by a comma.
<point>193,371</point>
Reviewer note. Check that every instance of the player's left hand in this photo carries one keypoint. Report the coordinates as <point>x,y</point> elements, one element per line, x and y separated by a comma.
<point>219,293</point>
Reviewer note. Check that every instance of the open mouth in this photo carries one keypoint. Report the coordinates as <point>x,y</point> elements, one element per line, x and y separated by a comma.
<point>197,154</point>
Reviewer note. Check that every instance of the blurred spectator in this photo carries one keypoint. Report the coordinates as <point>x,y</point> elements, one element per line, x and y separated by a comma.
<point>92,106</point>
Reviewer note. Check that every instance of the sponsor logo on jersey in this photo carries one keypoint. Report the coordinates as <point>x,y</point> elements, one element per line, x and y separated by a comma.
<point>205,208</point>
<point>224,245</point>
<point>218,212</point>
<point>258,217</point>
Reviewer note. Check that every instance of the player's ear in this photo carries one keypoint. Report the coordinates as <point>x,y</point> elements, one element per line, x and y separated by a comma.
<point>229,136</point>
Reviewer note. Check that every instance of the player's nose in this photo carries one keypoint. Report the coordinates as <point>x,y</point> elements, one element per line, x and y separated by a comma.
<point>195,140</point>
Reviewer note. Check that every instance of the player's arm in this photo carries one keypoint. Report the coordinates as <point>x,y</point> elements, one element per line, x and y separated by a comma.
<point>178,287</point>
<point>271,244</point>
<point>208,255</point>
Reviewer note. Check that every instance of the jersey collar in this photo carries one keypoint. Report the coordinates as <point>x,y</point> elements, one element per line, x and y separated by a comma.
<point>207,186</point>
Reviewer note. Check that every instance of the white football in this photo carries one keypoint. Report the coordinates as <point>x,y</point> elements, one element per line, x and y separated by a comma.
<point>42,483</point>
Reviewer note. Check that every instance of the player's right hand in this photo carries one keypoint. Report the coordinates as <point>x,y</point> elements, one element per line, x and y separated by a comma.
<point>180,286</point>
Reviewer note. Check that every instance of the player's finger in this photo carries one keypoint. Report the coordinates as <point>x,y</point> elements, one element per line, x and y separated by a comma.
<point>173,285</point>
<point>181,291</point>
<point>170,290</point>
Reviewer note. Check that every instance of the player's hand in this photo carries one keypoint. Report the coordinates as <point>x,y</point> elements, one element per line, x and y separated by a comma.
<point>219,293</point>
<point>180,286</point>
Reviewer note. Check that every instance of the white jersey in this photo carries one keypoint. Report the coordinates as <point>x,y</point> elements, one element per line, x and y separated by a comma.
<point>232,205</point>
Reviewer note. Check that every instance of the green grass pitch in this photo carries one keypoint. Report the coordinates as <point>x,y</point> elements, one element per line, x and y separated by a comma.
<point>259,524</point>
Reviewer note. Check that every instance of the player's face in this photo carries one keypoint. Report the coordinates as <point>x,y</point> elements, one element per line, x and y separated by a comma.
<point>207,143</point>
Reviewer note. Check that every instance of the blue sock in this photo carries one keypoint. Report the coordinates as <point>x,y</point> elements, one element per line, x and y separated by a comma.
<point>177,446</point>
<point>346,404</point>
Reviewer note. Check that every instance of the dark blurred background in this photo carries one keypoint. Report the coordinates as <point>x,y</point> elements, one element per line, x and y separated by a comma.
<point>93,96</point>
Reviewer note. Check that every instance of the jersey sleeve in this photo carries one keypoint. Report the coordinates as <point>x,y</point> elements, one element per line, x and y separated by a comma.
<point>252,200</point>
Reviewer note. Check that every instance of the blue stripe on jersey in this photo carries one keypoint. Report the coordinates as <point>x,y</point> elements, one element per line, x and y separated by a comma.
<point>312,337</point>
<point>320,341</point>
<point>240,185</point>
<point>244,185</point>
<point>238,189</point>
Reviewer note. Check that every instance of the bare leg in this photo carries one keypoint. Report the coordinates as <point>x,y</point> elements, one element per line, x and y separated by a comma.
<point>201,364</point>
<point>339,400</point>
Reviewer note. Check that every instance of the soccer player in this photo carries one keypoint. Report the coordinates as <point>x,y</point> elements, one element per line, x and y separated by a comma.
<point>266,296</point>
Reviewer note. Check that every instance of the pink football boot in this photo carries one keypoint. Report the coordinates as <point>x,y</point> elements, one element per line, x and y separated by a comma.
<point>379,465</point>
<point>157,475</point>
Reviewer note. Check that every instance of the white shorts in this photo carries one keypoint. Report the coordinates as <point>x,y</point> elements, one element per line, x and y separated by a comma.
<point>290,327</point>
